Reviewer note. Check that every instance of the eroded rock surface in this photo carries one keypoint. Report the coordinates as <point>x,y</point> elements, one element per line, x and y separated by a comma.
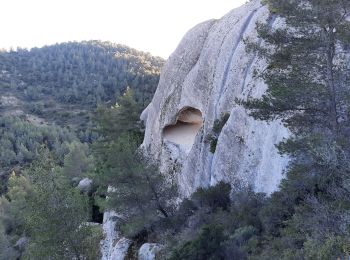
<point>183,133</point>
<point>208,71</point>
<point>149,251</point>
<point>113,247</point>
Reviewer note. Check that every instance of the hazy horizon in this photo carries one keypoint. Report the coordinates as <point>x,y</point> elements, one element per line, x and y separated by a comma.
<point>154,26</point>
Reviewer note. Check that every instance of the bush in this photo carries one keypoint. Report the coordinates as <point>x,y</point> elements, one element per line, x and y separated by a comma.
<point>213,197</point>
<point>208,245</point>
<point>332,248</point>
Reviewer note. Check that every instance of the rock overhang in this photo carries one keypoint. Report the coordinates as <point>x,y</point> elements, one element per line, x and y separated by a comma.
<point>184,130</point>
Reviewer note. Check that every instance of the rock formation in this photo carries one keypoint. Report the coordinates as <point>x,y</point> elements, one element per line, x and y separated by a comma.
<point>113,247</point>
<point>200,82</point>
<point>148,251</point>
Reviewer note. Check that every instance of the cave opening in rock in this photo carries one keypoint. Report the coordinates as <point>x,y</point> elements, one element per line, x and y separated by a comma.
<point>184,131</point>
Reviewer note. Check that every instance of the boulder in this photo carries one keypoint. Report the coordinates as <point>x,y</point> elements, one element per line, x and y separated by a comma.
<point>149,251</point>
<point>21,244</point>
<point>85,186</point>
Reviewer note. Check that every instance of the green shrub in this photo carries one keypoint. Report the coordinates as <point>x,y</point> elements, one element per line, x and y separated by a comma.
<point>332,248</point>
<point>213,197</point>
<point>208,245</point>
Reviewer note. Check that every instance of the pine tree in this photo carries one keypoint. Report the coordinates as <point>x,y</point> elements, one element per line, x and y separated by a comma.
<point>139,191</point>
<point>308,81</point>
<point>56,215</point>
<point>120,118</point>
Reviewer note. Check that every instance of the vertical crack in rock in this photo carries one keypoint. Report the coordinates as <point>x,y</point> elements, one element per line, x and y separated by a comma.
<point>247,70</point>
<point>228,64</point>
<point>225,76</point>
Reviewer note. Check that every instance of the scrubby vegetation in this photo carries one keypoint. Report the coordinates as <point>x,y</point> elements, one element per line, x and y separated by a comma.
<point>84,73</point>
<point>308,218</point>
<point>44,216</point>
<point>20,140</point>
<point>48,99</point>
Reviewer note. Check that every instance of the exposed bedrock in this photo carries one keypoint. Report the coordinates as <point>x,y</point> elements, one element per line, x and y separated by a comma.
<point>184,131</point>
<point>200,82</point>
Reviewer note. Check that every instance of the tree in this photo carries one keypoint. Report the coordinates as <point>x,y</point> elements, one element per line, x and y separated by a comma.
<point>12,222</point>
<point>6,251</point>
<point>78,162</point>
<point>56,215</point>
<point>139,191</point>
<point>308,88</point>
<point>208,245</point>
<point>120,118</point>
<point>112,123</point>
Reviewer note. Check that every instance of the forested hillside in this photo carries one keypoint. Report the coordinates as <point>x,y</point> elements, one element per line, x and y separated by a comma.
<point>70,138</point>
<point>62,85</point>
<point>64,82</point>
<point>49,98</point>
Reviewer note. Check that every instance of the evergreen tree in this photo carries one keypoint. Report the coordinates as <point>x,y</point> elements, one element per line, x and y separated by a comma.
<point>12,219</point>
<point>308,88</point>
<point>56,216</point>
<point>138,190</point>
<point>78,162</point>
<point>120,118</point>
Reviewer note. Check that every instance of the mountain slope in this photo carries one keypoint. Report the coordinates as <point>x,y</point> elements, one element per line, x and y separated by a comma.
<point>57,82</point>
<point>48,95</point>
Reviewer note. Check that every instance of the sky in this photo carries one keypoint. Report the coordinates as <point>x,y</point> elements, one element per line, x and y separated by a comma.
<point>154,26</point>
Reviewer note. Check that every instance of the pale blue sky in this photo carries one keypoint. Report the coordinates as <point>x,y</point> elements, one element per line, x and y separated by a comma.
<point>155,26</point>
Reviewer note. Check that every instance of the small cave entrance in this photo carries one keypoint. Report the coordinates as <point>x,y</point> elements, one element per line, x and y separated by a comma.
<point>184,131</point>
<point>96,212</point>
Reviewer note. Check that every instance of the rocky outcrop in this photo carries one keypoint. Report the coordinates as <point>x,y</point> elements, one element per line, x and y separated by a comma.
<point>199,84</point>
<point>85,186</point>
<point>208,71</point>
<point>149,251</point>
<point>113,246</point>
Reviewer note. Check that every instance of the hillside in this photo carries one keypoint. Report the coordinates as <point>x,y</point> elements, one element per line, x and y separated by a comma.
<point>242,152</point>
<point>63,83</point>
<point>49,95</point>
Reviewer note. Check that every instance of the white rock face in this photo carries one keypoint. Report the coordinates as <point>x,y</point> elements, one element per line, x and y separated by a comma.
<point>208,71</point>
<point>148,251</point>
<point>113,247</point>
<point>85,185</point>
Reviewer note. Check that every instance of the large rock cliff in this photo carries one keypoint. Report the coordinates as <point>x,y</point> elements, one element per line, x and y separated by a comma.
<point>200,82</point>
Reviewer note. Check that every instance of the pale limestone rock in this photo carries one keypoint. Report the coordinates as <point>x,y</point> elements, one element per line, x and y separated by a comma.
<point>208,71</point>
<point>120,250</point>
<point>21,244</point>
<point>85,185</point>
<point>149,251</point>
<point>113,247</point>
